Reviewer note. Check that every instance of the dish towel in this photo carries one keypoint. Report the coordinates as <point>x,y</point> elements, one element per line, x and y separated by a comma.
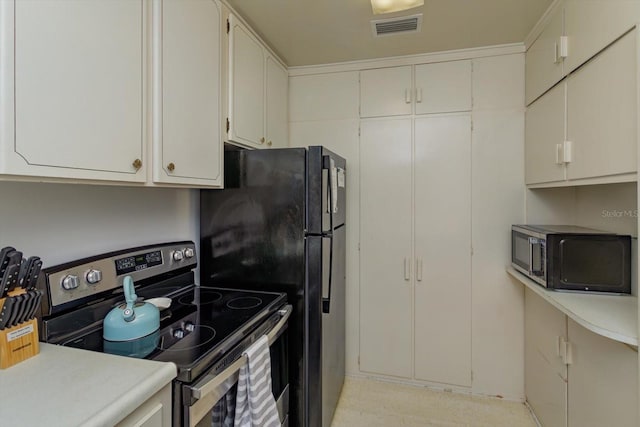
<point>255,405</point>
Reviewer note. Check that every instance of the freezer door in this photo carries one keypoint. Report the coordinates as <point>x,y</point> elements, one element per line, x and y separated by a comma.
<point>326,190</point>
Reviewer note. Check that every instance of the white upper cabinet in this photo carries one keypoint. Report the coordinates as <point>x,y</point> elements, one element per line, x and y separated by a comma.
<point>591,25</point>
<point>391,91</point>
<point>386,92</point>
<point>276,98</point>
<point>544,138</point>
<point>588,135</point>
<point>73,89</point>
<point>602,113</point>
<point>433,96</point>
<point>544,59</point>
<point>187,116</point>
<point>256,86</point>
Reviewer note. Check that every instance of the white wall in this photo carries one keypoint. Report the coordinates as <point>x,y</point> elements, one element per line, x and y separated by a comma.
<point>498,201</point>
<point>323,110</point>
<point>63,222</point>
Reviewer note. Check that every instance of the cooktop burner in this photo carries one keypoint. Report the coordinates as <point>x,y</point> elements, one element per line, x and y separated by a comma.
<point>244,303</point>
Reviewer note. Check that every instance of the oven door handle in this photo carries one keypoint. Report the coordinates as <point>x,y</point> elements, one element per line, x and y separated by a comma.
<point>211,382</point>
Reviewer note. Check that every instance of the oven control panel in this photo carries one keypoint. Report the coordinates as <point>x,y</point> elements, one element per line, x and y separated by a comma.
<point>74,281</point>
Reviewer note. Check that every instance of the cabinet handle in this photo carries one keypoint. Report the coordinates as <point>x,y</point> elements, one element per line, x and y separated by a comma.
<point>137,164</point>
<point>567,152</point>
<point>559,154</point>
<point>407,96</point>
<point>419,95</point>
<point>262,140</point>
<point>171,167</point>
<point>407,269</point>
<point>564,351</point>
<point>419,269</point>
<point>269,143</point>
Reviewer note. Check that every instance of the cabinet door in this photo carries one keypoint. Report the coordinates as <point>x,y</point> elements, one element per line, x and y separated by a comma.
<point>543,66</point>
<point>443,87</point>
<point>603,381</point>
<point>443,249</point>
<point>591,25</point>
<point>544,138</point>
<point>545,371</point>
<point>386,92</point>
<point>385,247</point>
<point>79,88</point>
<point>188,116</point>
<point>602,113</point>
<point>277,95</point>
<point>246,86</point>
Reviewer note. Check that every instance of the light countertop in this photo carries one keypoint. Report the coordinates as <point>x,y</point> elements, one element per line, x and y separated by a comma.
<point>612,316</point>
<point>64,386</point>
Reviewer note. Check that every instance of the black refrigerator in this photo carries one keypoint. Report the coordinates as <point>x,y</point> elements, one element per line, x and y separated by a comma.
<point>279,225</point>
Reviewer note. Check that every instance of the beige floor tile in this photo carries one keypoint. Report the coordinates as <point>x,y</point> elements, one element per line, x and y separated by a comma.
<point>369,403</point>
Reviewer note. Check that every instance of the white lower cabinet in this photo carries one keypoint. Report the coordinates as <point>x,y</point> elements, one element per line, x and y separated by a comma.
<point>545,371</point>
<point>574,377</point>
<point>415,264</point>
<point>155,412</point>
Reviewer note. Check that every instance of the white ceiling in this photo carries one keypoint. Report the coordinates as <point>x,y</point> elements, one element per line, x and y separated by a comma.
<point>308,32</point>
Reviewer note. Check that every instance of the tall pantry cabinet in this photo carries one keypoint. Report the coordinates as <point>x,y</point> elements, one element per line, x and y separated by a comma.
<point>415,253</point>
<point>440,185</point>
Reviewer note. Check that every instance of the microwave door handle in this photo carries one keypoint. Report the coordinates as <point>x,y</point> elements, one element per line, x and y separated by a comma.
<point>535,245</point>
<point>532,241</point>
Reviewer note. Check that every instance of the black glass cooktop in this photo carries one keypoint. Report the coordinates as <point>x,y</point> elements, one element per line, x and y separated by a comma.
<point>201,326</point>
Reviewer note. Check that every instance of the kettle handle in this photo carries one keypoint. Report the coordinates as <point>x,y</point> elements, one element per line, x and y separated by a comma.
<point>130,297</point>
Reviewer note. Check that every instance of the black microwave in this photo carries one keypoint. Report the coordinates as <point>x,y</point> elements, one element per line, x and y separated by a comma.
<point>567,257</point>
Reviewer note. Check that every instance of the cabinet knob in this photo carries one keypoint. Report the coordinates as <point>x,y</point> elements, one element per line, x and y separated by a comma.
<point>262,140</point>
<point>171,167</point>
<point>269,143</point>
<point>137,164</point>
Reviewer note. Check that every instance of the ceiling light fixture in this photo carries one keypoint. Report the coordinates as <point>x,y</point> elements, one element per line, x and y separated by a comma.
<point>387,6</point>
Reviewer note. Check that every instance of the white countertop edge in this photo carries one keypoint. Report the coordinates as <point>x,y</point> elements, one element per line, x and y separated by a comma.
<point>624,331</point>
<point>117,410</point>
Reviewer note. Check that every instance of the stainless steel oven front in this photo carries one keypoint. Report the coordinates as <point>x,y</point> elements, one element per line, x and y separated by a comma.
<point>209,400</point>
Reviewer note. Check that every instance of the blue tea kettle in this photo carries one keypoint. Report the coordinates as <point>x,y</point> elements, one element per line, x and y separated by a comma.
<point>132,328</point>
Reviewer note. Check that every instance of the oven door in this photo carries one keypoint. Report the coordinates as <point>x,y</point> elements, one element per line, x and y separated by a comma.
<point>212,398</point>
<point>528,255</point>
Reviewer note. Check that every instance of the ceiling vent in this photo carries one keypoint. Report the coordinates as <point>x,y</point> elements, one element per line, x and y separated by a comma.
<point>399,25</point>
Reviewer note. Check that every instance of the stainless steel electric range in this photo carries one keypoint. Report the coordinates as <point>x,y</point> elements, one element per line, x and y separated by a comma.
<point>203,331</point>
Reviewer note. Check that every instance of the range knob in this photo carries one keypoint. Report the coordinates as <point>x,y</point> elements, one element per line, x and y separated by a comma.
<point>178,255</point>
<point>189,253</point>
<point>69,282</point>
<point>189,326</point>
<point>93,276</point>
<point>178,333</point>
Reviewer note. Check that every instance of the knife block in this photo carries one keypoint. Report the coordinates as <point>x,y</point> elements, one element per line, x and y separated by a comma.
<point>18,343</point>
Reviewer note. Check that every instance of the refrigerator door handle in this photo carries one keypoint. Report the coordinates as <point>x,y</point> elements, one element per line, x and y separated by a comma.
<point>328,163</point>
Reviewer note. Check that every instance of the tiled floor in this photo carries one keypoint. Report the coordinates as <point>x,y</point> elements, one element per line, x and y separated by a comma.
<point>368,403</point>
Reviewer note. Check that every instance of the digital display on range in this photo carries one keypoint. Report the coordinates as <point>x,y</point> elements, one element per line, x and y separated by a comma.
<point>138,262</point>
